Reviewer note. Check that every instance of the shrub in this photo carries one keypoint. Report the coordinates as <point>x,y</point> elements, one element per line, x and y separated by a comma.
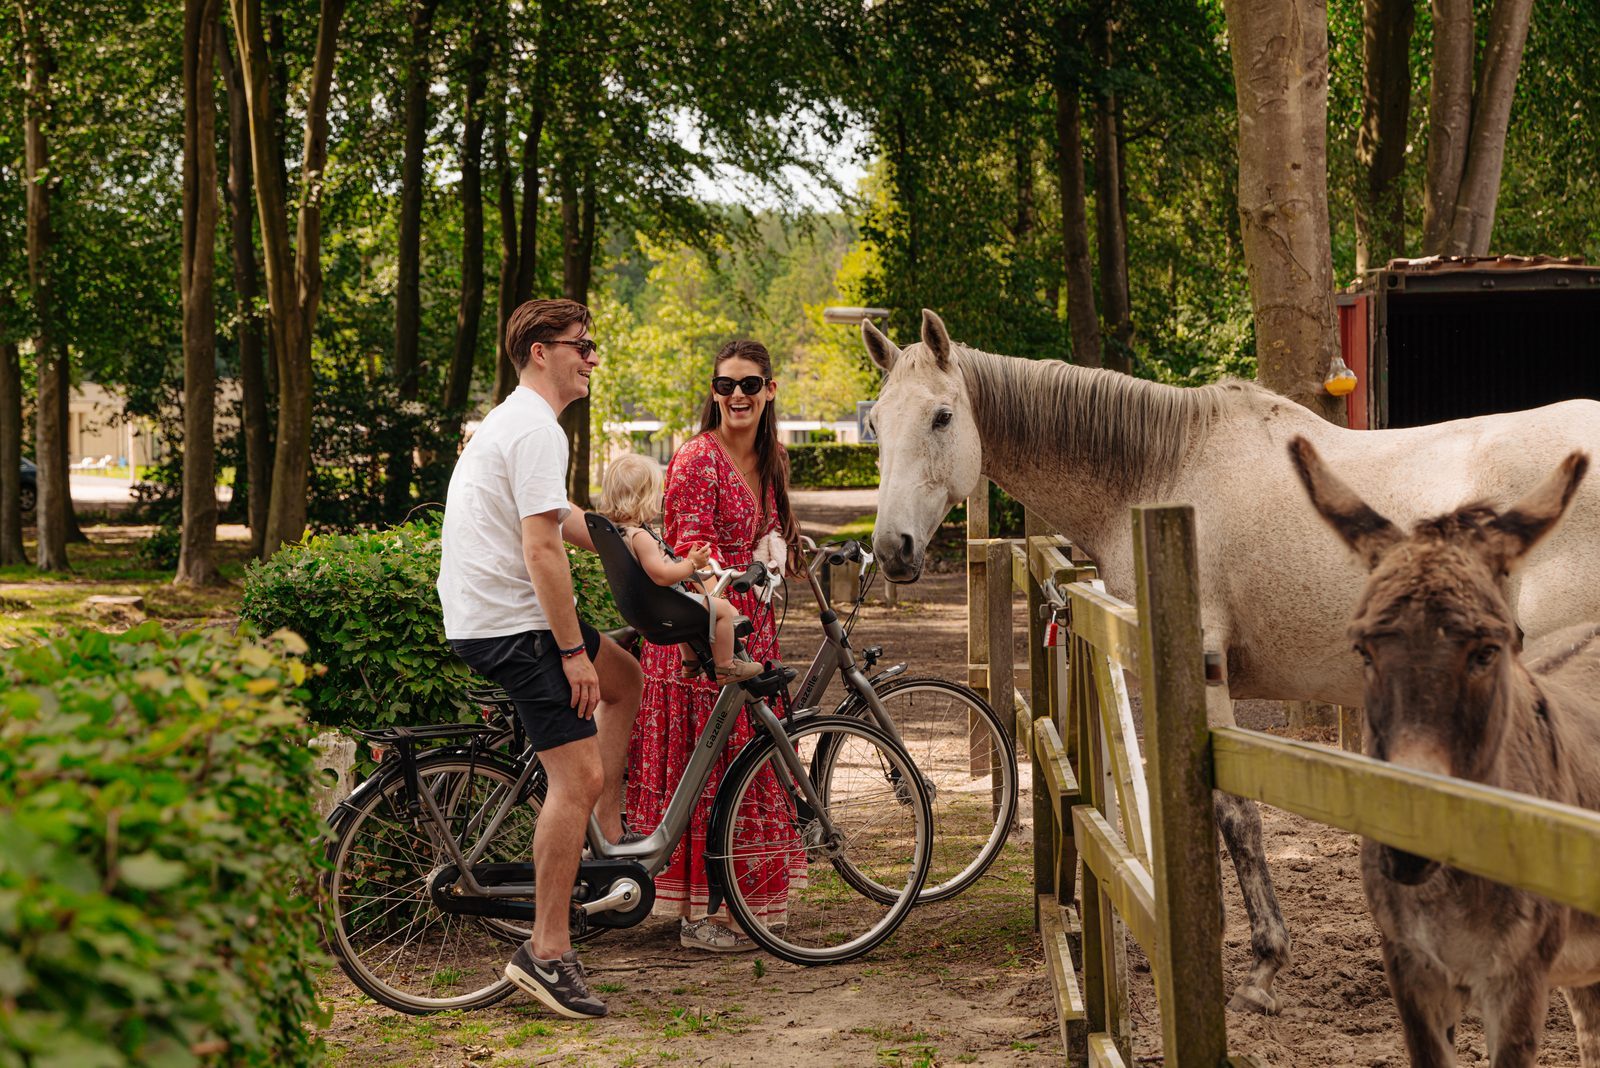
<point>156,850</point>
<point>368,609</point>
<point>159,552</point>
<point>833,466</point>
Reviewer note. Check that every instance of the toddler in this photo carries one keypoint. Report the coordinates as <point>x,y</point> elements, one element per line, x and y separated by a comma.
<point>631,493</point>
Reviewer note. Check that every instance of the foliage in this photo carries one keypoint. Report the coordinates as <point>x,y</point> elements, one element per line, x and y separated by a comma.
<point>159,551</point>
<point>367,606</point>
<point>157,881</point>
<point>832,465</point>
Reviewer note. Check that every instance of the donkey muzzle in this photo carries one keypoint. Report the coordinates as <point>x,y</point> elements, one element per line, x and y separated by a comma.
<point>1407,869</point>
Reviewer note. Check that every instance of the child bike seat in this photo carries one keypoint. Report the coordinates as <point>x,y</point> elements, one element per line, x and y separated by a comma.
<point>661,614</point>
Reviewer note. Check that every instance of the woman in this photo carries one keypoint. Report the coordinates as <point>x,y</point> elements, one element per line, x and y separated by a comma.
<point>728,486</point>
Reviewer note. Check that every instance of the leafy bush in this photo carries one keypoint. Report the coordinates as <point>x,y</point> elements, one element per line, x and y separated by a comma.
<point>159,551</point>
<point>367,607</point>
<point>833,466</point>
<point>156,852</point>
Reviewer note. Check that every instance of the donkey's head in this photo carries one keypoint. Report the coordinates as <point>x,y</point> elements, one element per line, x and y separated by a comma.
<point>1434,627</point>
<point>929,455</point>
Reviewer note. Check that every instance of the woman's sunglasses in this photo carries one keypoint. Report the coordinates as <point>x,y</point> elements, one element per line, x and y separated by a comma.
<point>724,386</point>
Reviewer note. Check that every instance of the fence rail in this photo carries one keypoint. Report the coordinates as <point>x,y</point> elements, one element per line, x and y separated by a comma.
<point>1117,856</point>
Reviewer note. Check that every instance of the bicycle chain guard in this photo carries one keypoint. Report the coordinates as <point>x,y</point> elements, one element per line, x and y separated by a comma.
<point>595,878</point>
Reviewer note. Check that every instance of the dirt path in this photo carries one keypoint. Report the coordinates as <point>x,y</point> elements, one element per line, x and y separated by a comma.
<point>962,982</point>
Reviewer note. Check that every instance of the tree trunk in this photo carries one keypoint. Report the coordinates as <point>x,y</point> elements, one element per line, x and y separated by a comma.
<point>294,274</point>
<point>505,375</point>
<point>1449,119</point>
<point>69,516</point>
<point>577,262</point>
<point>1111,215</point>
<point>1473,223</point>
<point>1381,141</point>
<point>197,565</point>
<point>469,312</point>
<point>1022,155</point>
<point>247,288</point>
<point>1280,72</point>
<point>11,548</point>
<point>1082,317</point>
<point>49,437</point>
<point>408,286</point>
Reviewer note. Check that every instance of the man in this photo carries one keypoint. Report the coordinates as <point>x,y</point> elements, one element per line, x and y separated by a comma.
<point>509,612</point>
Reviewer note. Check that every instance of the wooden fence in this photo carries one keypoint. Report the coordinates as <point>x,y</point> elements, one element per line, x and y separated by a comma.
<point>1117,857</point>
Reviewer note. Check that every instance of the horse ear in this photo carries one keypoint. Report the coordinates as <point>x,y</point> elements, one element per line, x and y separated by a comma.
<point>879,347</point>
<point>1513,532</point>
<point>1362,528</point>
<point>936,338</point>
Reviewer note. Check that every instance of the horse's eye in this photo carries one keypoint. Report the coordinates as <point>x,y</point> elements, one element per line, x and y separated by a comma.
<point>1484,656</point>
<point>942,417</point>
<point>1366,657</point>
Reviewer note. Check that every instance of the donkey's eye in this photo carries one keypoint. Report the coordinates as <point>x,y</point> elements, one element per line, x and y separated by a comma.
<point>942,417</point>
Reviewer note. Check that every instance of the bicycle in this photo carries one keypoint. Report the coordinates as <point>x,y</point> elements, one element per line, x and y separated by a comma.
<point>962,749</point>
<point>429,874</point>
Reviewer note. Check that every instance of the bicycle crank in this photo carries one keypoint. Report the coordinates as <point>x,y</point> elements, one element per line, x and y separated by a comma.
<point>610,893</point>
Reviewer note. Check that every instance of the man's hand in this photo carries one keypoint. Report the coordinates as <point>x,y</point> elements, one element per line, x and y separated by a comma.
<point>699,556</point>
<point>584,682</point>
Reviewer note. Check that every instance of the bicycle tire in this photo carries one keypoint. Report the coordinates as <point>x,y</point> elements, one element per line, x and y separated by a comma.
<point>380,857</point>
<point>968,835</point>
<point>763,834</point>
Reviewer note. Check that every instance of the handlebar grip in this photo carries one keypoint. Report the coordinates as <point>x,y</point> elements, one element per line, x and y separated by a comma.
<point>754,575</point>
<point>849,551</point>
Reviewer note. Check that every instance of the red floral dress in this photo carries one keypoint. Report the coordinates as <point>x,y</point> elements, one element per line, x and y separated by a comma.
<point>705,500</point>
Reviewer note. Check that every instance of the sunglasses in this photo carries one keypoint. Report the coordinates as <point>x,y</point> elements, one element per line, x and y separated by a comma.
<point>584,346</point>
<point>723,386</point>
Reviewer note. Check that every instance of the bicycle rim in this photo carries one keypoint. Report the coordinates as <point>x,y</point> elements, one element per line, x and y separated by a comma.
<point>969,764</point>
<point>791,887</point>
<point>382,924</point>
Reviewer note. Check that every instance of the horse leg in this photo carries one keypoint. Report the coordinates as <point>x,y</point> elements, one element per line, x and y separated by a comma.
<point>1584,1003</point>
<point>1240,821</point>
<point>1429,1006</point>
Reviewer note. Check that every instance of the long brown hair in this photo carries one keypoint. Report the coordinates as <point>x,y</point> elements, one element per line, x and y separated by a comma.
<point>772,462</point>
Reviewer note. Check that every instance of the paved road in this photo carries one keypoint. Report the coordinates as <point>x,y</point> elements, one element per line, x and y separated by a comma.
<point>113,494</point>
<point>826,510</point>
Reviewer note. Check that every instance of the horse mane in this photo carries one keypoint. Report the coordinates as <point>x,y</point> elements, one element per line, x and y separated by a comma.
<point>1129,432</point>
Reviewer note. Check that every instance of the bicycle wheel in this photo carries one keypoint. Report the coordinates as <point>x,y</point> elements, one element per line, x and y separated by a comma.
<point>382,925</point>
<point>969,766</point>
<point>789,883</point>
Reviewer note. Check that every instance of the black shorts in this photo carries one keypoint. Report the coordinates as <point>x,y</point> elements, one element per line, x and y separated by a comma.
<point>528,667</point>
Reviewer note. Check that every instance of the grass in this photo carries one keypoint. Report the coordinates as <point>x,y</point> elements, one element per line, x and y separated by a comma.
<point>108,564</point>
<point>858,529</point>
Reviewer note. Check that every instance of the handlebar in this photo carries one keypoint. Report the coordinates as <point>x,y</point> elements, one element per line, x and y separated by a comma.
<point>724,578</point>
<point>843,553</point>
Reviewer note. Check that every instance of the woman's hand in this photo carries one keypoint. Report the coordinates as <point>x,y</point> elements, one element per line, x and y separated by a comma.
<point>699,556</point>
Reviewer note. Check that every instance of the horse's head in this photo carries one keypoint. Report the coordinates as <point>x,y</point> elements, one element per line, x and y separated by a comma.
<point>928,449</point>
<point>1434,627</point>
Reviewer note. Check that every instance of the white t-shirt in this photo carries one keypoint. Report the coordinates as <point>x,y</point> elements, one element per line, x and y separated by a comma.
<point>514,466</point>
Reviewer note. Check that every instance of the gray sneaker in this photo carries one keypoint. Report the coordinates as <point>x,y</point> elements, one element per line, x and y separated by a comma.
<point>559,983</point>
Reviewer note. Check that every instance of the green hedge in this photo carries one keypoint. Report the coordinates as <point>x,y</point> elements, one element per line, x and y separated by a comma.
<point>833,466</point>
<point>368,608</point>
<point>156,847</point>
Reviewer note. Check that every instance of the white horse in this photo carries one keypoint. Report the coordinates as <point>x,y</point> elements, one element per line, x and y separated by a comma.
<point>1080,446</point>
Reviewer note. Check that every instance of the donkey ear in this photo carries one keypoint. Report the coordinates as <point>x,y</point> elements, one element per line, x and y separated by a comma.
<point>936,338</point>
<point>1363,529</point>
<point>880,348</point>
<point>1516,530</point>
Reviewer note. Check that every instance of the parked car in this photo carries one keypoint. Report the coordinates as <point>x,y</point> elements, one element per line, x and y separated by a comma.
<point>30,485</point>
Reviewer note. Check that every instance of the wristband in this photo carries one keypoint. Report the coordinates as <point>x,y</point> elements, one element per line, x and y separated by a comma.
<point>568,654</point>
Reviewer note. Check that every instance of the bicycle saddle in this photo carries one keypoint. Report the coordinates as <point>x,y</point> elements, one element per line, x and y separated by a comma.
<point>661,614</point>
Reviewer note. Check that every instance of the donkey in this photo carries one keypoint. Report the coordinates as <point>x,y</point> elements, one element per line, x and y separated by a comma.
<point>1447,692</point>
<point>1079,446</point>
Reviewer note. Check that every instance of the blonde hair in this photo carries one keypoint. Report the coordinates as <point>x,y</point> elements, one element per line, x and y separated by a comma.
<point>630,490</point>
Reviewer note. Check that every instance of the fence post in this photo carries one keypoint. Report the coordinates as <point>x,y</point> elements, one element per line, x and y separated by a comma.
<point>1044,860</point>
<point>1188,950</point>
<point>978,588</point>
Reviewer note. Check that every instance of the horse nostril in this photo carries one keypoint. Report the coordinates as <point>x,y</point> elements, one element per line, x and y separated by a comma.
<point>906,547</point>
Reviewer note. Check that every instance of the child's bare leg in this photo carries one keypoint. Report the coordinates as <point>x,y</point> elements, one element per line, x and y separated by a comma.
<point>722,638</point>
